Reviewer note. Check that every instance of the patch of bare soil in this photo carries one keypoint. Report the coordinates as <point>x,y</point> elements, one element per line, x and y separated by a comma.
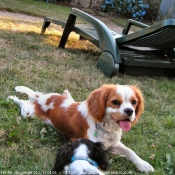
<point>19,16</point>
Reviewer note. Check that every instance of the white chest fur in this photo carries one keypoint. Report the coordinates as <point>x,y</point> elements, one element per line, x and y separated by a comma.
<point>101,133</point>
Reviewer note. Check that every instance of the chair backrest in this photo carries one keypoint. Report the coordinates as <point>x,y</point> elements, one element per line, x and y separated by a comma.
<point>160,36</point>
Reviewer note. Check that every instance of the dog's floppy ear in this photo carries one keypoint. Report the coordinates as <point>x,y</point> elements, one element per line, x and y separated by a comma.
<point>99,155</point>
<point>63,158</point>
<point>140,103</point>
<point>96,103</point>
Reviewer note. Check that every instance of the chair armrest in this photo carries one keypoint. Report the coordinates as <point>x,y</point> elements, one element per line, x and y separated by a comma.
<point>106,40</point>
<point>131,22</point>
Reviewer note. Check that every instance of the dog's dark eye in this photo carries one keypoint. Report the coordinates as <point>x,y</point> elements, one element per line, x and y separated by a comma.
<point>134,102</point>
<point>116,102</point>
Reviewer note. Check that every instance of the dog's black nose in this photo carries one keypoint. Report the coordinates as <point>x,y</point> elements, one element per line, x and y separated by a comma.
<point>128,111</point>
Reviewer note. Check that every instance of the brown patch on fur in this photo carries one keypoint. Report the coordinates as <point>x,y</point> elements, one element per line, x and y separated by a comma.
<point>68,121</point>
<point>140,103</point>
<point>96,101</point>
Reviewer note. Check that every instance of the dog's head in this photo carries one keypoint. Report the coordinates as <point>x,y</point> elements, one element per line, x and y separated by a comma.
<point>94,151</point>
<point>123,104</point>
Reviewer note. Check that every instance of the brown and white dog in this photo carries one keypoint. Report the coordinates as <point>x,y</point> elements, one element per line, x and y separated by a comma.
<point>101,117</point>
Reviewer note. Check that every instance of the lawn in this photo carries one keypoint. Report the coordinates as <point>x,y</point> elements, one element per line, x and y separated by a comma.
<point>30,59</point>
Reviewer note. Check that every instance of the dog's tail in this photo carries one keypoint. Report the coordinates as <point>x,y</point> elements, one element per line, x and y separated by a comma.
<point>32,95</point>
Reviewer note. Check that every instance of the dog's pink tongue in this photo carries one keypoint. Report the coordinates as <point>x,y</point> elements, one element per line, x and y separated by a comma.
<point>125,125</point>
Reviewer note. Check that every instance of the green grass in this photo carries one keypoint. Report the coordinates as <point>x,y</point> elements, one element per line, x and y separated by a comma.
<point>35,8</point>
<point>30,59</point>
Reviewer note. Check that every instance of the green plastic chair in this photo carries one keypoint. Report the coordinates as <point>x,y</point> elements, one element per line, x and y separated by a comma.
<point>149,51</point>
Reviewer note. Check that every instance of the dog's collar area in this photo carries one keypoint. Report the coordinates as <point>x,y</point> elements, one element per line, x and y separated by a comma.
<point>99,129</point>
<point>84,158</point>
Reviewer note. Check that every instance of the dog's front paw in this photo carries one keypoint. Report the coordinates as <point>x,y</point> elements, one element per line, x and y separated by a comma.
<point>144,166</point>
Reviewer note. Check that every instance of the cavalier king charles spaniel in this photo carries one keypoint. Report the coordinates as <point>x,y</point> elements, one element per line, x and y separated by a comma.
<point>81,157</point>
<point>102,117</point>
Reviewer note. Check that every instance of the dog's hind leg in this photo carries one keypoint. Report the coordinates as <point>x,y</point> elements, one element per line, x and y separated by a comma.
<point>27,106</point>
<point>32,95</point>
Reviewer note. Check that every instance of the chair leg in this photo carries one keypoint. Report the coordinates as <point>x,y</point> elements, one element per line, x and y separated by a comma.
<point>106,63</point>
<point>67,30</point>
<point>45,25</point>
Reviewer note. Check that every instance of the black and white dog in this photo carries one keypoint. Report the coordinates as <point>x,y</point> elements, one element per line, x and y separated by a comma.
<point>81,157</point>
